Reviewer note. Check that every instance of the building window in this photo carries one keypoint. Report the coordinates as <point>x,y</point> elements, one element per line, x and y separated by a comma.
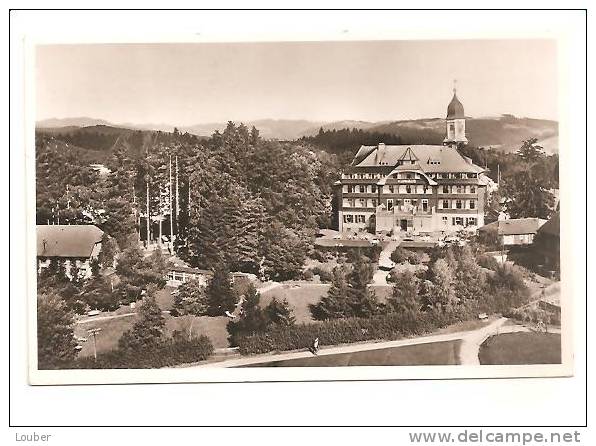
<point>472,189</point>
<point>425,189</point>
<point>348,218</point>
<point>362,202</point>
<point>391,188</point>
<point>398,202</point>
<point>444,219</point>
<point>374,202</point>
<point>350,188</point>
<point>360,219</point>
<point>472,204</point>
<point>362,188</point>
<point>458,204</point>
<point>471,221</point>
<point>424,205</point>
<point>373,188</point>
<point>457,221</point>
<point>460,189</point>
<point>445,175</point>
<point>409,176</point>
<point>445,189</point>
<point>390,204</point>
<point>414,203</point>
<point>408,189</point>
<point>445,204</point>
<point>351,202</point>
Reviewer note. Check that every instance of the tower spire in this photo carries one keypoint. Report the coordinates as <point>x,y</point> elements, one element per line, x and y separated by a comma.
<point>454,86</point>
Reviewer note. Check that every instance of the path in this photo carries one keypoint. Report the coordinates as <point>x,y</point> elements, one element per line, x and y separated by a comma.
<point>380,276</point>
<point>471,342</point>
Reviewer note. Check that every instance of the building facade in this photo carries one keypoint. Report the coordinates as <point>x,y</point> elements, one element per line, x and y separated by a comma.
<point>414,188</point>
<point>73,246</point>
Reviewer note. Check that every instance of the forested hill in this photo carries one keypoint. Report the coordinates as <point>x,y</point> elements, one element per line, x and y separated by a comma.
<point>95,144</point>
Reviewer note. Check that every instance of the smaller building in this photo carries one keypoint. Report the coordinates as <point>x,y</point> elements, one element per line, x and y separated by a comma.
<point>512,232</point>
<point>547,243</point>
<point>71,245</point>
<point>179,274</point>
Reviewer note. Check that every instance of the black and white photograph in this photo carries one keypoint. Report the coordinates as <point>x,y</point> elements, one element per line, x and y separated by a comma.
<point>320,204</point>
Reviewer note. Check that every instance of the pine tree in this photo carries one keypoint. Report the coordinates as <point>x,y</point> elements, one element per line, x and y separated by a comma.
<point>55,333</point>
<point>470,281</point>
<point>148,331</point>
<point>443,291</point>
<point>280,312</point>
<point>361,298</point>
<point>335,304</point>
<point>405,299</point>
<point>221,296</point>
<point>191,299</point>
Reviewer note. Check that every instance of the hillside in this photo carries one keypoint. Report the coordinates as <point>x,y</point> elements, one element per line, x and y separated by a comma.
<point>505,132</point>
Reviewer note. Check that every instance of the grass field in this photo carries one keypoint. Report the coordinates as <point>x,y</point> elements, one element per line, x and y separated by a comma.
<point>301,295</point>
<point>521,348</point>
<point>112,330</point>
<point>435,353</point>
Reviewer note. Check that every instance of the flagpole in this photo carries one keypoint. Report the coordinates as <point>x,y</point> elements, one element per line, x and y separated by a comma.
<point>171,209</point>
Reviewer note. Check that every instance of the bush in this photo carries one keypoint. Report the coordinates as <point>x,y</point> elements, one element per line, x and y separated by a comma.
<point>325,275</point>
<point>340,331</point>
<point>401,255</point>
<point>308,275</point>
<point>171,352</point>
<point>487,261</point>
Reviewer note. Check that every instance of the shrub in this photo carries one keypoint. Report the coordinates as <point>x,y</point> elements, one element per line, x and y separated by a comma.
<point>325,275</point>
<point>170,352</point>
<point>308,274</point>
<point>401,255</point>
<point>487,261</point>
<point>339,331</point>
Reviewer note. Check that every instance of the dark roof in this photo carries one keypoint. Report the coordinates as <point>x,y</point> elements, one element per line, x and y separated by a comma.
<point>514,226</point>
<point>67,240</point>
<point>417,244</point>
<point>551,227</point>
<point>190,270</point>
<point>455,109</point>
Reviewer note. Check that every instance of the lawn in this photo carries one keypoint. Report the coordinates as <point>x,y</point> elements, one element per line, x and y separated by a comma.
<point>301,294</point>
<point>434,353</point>
<point>521,348</point>
<point>112,330</point>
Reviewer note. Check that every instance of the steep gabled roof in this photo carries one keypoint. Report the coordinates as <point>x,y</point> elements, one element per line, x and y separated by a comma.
<point>450,160</point>
<point>67,240</point>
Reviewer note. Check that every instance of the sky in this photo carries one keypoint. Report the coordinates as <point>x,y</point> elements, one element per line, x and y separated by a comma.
<point>186,84</point>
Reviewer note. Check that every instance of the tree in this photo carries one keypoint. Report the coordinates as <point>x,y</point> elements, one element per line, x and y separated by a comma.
<point>470,283</point>
<point>361,298</point>
<point>98,295</point>
<point>280,313</point>
<point>191,299</point>
<point>137,273</point>
<point>404,299</point>
<point>221,296</point>
<point>109,249</point>
<point>148,331</point>
<point>252,319</point>
<point>442,294</point>
<point>283,253</point>
<point>530,151</point>
<point>335,304</point>
<point>55,332</point>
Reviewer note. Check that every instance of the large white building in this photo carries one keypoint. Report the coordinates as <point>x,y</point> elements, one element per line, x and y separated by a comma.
<point>414,188</point>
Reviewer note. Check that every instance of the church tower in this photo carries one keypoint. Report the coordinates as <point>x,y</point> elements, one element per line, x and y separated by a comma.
<point>455,122</point>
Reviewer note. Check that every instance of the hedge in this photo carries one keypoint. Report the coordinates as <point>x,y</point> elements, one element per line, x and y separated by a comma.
<point>172,351</point>
<point>389,326</point>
